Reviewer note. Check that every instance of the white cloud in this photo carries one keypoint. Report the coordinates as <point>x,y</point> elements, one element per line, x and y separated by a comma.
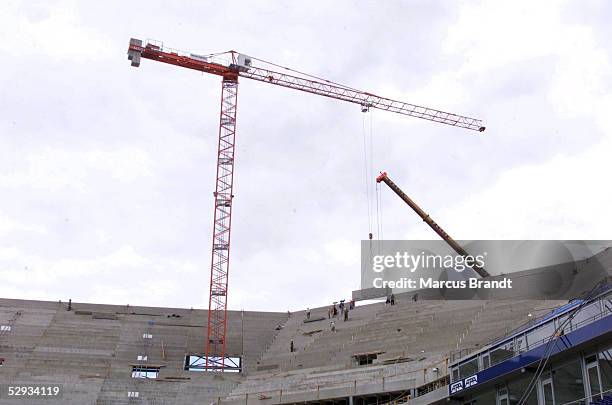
<point>120,276</point>
<point>118,209</point>
<point>54,168</point>
<point>10,226</point>
<point>491,34</point>
<point>49,28</point>
<point>565,196</point>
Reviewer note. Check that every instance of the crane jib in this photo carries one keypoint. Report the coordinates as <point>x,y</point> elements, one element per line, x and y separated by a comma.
<point>322,88</point>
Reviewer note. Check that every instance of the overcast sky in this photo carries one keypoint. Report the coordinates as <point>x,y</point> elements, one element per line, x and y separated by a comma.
<point>107,171</point>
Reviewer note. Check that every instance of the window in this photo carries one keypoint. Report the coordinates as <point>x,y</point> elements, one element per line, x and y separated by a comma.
<point>586,314</point>
<point>365,359</point>
<point>605,369</point>
<point>194,362</point>
<point>502,396</point>
<point>564,325</point>
<point>540,335</point>
<point>485,398</point>
<point>147,336</point>
<point>145,372</point>
<point>592,374</point>
<point>518,386</point>
<point>468,368</point>
<point>455,374</point>
<point>546,390</point>
<point>607,305</point>
<point>486,361</point>
<point>142,358</point>
<point>568,382</point>
<point>520,344</point>
<point>502,353</point>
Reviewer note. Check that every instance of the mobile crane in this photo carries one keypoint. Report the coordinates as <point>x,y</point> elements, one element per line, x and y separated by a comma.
<point>384,178</point>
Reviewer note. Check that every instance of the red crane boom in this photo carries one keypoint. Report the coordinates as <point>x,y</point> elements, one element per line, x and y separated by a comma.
<point>240,65</point>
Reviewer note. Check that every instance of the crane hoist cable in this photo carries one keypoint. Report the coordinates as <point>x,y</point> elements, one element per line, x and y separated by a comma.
<point>366,175</point>
<point>379,212</point>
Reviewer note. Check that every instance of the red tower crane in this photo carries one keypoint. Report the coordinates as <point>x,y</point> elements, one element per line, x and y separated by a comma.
<point>234,66</point>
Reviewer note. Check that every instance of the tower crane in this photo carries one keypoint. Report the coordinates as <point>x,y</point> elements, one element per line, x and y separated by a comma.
<point>230,66</point>
<point>384,178</point>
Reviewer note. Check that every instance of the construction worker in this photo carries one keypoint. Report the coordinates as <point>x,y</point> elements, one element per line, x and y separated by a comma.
<point>346,312</point>
<point>332,326</point>
<point>291,348</point>
<point>392,299</point>
<point>307,313</point>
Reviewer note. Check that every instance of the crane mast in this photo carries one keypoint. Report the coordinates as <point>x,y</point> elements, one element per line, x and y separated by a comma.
<point>384,178</point>
<point>240,65</point>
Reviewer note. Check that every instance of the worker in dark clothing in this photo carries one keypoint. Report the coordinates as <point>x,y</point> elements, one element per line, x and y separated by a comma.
<point>291,346</point>
<point>307,313</point>
<point>392,299</point>
<point>346,312</point>
<point>388,300</point>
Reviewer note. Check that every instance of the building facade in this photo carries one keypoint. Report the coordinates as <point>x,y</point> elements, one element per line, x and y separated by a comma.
<point>561,359</point>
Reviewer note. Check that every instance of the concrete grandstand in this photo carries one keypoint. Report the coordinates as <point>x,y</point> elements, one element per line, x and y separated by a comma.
<point>111,354</point>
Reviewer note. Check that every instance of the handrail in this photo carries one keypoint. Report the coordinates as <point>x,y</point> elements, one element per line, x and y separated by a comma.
<point>583,401</point>
<point>599,293</point>
<point>456,355</point>
<point>568,327</point>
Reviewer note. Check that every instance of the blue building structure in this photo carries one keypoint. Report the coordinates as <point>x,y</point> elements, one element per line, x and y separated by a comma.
<point>563,358</point>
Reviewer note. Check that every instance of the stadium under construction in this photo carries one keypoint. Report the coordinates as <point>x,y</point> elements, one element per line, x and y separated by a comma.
<point>418,347</point>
